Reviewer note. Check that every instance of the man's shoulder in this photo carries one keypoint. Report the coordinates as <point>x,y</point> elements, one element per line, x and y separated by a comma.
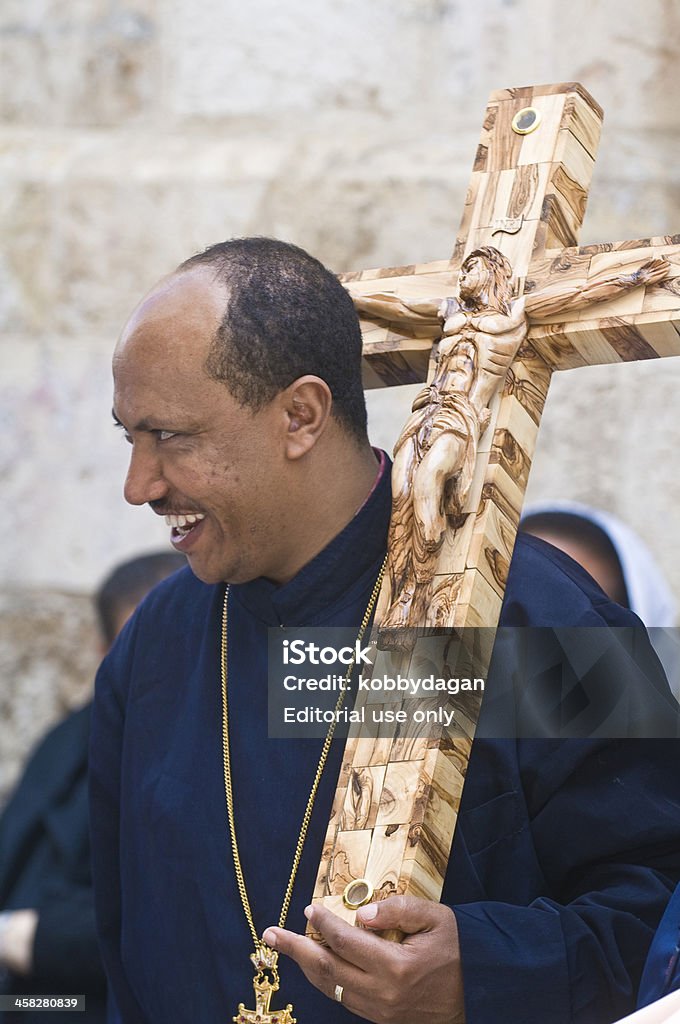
<point>180,604</point>
<point>548,588</point>
<point>181,590</point>
<point>168,630</point>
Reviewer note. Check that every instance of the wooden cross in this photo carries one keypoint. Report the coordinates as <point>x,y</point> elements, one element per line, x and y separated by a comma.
<point>394,813</point>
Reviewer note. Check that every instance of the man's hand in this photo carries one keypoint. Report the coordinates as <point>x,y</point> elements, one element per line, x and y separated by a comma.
<point>652,271</point>
<point>382,981</point>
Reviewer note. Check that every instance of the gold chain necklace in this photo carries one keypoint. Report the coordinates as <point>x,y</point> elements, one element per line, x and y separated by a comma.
<point>265,959</point>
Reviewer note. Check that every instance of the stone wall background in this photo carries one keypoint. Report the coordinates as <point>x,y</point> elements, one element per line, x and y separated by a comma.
<point>136,132</point>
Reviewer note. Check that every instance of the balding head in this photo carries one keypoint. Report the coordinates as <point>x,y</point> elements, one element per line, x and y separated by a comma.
<point>178,319</point>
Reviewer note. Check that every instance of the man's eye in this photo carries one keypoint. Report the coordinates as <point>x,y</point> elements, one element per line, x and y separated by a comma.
<point>165,435</point>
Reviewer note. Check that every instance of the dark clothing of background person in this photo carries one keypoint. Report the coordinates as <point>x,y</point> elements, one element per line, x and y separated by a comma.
<point>44,837</point>
<point>45,864</point>
<point>662,970</point>
<point>565,854</point>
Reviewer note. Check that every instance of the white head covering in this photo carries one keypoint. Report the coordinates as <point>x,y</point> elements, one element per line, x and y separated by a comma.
<point>649,594</point>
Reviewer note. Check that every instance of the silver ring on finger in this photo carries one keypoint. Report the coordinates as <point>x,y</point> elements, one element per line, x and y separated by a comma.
<point>337,995</point>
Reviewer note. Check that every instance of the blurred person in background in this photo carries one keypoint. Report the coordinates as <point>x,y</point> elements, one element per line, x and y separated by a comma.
<point>48,939</point>
<point>620,563</point>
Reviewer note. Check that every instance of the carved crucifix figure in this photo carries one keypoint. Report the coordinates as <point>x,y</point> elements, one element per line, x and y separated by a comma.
<point>434,459</point>
<point>570,307</point>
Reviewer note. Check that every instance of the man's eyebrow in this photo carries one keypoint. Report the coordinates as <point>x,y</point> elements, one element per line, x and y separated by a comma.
<point>149,425</point>
<point>144,424</point>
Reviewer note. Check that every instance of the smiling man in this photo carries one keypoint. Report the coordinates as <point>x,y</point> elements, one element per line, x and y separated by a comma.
<point>238,385</point>
<point>232,447</point>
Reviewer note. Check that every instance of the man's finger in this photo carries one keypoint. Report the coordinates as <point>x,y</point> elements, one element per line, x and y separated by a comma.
<point>298,947</point>
<point>320,965</point>
<point>407,914</point>
<point>354,945</point>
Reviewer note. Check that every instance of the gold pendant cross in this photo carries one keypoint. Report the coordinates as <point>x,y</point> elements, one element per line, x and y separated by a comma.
<point>264,960</point>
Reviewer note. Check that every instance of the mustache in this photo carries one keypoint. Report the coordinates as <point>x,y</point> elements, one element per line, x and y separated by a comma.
<point>162,508</point>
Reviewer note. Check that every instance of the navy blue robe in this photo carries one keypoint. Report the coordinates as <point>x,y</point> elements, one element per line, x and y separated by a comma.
<point>565,852</point>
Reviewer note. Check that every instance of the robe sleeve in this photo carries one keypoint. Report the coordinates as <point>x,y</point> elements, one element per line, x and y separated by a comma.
<point>575,956</point>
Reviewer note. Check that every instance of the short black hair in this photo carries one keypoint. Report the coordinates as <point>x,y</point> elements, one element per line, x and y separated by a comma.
<point>286,316</point>
<point>128,583</point>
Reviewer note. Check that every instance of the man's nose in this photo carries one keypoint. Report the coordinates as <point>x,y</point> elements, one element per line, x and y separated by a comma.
<point>144,481</point>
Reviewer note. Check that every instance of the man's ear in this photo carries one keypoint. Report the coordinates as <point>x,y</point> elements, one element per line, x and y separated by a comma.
<point>307,406</point>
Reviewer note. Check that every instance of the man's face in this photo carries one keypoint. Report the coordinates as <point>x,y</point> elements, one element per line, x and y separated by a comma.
<point>472,278</point>
<point>197,455</point>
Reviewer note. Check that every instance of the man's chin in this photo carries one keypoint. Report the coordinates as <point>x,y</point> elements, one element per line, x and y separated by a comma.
<point>204,573</point>
<point>214,575</point>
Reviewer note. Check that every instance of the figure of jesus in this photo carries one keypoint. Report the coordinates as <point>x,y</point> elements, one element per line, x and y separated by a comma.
<point>480,334</point>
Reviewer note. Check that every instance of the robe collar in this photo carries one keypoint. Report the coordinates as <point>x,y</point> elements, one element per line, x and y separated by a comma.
<point>334,576</point>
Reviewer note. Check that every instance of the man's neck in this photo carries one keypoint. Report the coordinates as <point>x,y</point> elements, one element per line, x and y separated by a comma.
<point>342,484</point>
